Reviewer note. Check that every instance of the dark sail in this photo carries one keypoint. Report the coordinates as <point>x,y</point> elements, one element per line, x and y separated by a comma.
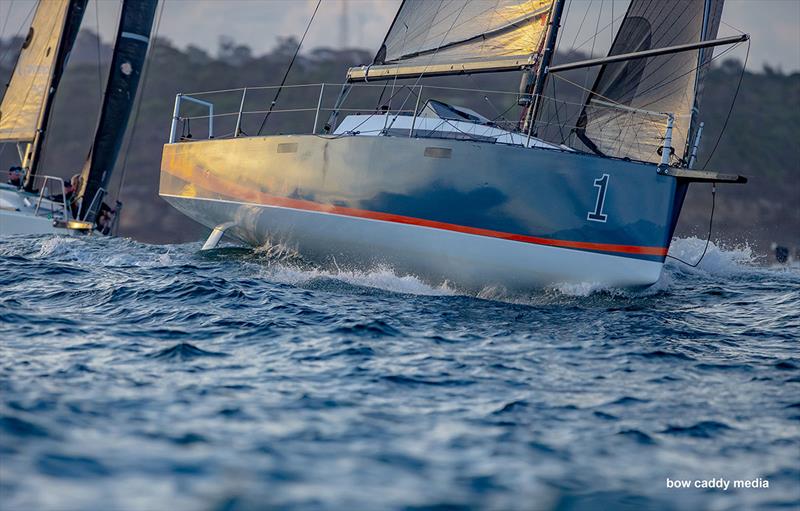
<point>648,89</point>
<point>130,50</point>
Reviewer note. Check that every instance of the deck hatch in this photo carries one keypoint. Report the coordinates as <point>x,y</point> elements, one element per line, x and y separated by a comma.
<point>438,152</point>
<point>288,147</point>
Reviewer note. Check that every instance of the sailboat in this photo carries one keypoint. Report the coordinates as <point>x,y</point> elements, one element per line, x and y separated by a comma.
<point>444,193</point>
<point>33,203</point>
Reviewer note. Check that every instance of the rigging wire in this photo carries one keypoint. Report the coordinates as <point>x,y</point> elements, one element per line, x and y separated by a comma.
<point>714,185</point>
<point>147,63</point>
<point>97,33</point>
<point>289,68</point>
<point>580,27</point>
<point>594,40</point>
<point>5,21</point>
<point>19,31</point>
<point>730,110</point>
<point>500,115</point>
<point>433,56</point>
<point>613,36</point>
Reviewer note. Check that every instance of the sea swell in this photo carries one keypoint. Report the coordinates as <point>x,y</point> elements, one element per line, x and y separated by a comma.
<point>135,376</point>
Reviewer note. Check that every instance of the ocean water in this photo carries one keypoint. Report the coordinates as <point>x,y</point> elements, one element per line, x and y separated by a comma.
<point>140,377</point>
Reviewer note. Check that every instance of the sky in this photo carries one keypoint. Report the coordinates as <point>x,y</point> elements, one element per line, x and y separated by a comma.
<point>774,25</point>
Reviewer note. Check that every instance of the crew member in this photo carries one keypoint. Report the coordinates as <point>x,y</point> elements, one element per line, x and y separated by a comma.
<point>70,195</point>
<point>105,218</point>
<point>15,176</point>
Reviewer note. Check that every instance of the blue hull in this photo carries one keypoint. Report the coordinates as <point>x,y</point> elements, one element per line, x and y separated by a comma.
<point>539,197</point>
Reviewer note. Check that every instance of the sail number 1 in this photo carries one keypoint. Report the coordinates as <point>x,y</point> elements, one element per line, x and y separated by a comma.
<point>602,187</point>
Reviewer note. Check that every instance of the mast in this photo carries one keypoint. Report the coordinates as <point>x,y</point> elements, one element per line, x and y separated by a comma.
<point>68,32</point>
<point>544,64</point>
<point>130,51</point>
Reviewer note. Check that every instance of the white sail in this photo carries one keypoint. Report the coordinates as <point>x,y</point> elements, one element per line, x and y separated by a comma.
<point>460,36</point>
<point>27,91</point>
<point>456,30</point>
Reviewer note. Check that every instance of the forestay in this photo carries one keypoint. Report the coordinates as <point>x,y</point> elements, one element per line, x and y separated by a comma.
<point>26,94</point>
<point>649,87</point>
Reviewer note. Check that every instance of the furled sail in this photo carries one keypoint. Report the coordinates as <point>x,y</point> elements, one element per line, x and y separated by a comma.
<point>625,113</point>
<point>127,62</point>
<point>450,36</point>
<point>48,42</point>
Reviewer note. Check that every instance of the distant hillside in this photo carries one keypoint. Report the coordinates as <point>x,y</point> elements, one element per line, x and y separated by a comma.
<point>762,140</point>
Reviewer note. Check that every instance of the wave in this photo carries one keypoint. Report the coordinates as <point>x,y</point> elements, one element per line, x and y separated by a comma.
<point>282,264</point>
<point>381,277</point>
<point>110,252</point>
<point>718,260</point>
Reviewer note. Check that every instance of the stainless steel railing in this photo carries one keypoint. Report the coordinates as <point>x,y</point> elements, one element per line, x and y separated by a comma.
<point>44,192</point>
<point>314,105</point>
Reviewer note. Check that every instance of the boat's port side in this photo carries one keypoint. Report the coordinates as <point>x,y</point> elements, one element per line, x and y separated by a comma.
<point>539,206</point>
<point>467,261</point>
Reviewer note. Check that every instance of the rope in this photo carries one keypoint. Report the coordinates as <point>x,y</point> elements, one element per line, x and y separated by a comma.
<point>286,74</point>
<point>710,224</point>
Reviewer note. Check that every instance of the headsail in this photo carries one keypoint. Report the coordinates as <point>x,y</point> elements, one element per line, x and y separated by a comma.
<point>130,50</point>
<point>50,37</point>
<point>647,89</point>
<point>454,36</point>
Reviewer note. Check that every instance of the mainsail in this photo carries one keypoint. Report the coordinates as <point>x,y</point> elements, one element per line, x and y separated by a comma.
<point>50,37</point>
<point>455,36</point>
<point>625,113</point>
<point>130,51</point>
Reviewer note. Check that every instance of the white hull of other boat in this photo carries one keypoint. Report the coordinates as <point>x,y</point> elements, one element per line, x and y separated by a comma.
<point>24,213</point>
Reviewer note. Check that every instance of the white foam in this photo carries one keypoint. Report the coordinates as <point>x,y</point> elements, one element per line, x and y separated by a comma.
<point>718,260</point>
<point>106,252</point>
<point>56,246</point>
<point>281,263</point>
<point>382,277</point>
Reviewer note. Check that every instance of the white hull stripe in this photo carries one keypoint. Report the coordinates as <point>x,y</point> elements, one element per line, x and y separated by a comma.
<point>136,37</point>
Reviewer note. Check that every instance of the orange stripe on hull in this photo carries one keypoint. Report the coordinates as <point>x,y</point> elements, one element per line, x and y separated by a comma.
<point>389,217</point>
<point>241,192</point>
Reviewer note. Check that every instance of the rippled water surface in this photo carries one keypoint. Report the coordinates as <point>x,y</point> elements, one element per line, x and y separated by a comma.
<point>138,377</point>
